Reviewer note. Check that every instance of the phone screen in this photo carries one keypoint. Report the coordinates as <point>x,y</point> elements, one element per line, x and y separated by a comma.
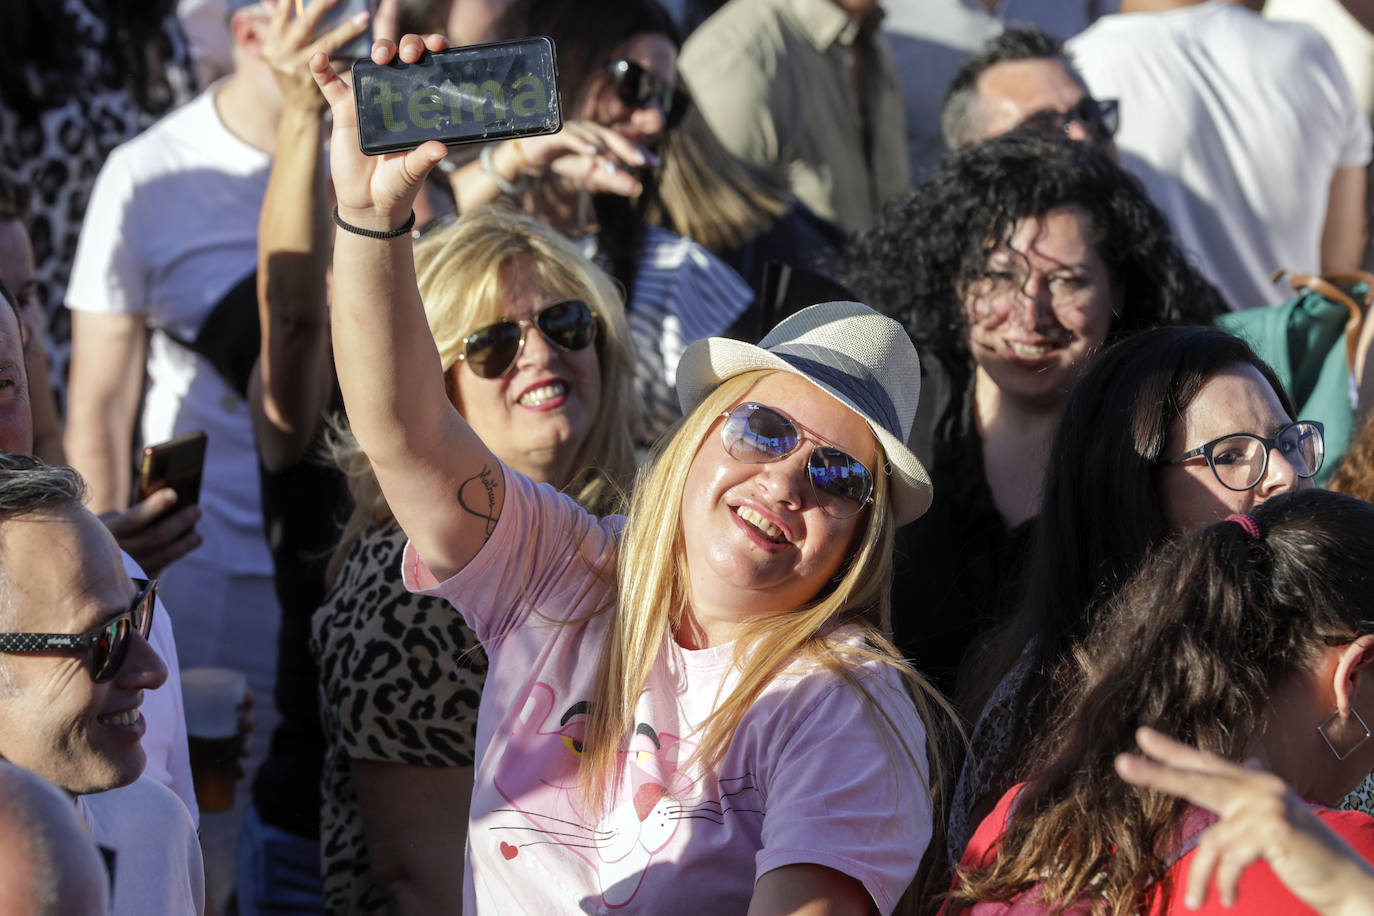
<point>463,95</point>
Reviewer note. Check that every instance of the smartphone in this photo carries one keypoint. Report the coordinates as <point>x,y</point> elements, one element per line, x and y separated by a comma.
<point>337,16</point>
<point>177,463</point>
<point>463,95</point>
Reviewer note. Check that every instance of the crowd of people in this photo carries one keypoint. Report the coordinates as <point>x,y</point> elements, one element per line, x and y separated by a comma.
<point>815,479</point>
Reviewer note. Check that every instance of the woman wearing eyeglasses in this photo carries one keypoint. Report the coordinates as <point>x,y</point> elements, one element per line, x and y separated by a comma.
<point>692,708</point>
<point>535,353</point>
<point>1252,639</point>
<point>596,180</point>
<point>1011,269</point>
<point>1170,430</point>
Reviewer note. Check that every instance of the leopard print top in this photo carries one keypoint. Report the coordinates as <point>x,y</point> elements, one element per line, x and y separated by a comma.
<point>59,150</point>
<point>400,680</point>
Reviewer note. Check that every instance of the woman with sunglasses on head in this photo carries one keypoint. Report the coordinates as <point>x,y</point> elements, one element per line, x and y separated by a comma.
<point>1250,638</point>
<point>692,708</point>
<point>1169,430</point>
<point>596,180</point>
<point>1011,269</point>
<point>535,354</point>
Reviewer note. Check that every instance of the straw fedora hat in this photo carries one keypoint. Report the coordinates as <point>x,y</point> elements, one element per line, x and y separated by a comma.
<point>862,359</point>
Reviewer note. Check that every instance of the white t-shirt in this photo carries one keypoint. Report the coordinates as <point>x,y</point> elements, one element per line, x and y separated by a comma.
<point>1236,125</point>
<point>171,227</point>
<point>164,742</point>
<point>808,777</point>
<point>157,863</point>
<point>931,40</point>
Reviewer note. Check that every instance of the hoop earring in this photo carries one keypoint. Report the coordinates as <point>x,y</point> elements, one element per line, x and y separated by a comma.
<point>1321,730</point>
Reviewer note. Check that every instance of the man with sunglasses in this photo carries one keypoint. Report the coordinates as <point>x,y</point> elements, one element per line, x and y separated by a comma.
<point>1243,130</point>
<point>75,664</point>
<point>1022,78</point>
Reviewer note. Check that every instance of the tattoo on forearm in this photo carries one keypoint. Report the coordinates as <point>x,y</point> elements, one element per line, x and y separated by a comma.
<point>470,496</point>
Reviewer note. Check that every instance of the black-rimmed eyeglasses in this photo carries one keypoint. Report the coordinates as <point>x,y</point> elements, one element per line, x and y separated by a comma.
<point>106,646</point>
<point>1240,460</point>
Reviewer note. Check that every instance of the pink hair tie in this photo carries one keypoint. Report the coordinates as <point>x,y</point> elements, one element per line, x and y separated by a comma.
<point>1248,523</point>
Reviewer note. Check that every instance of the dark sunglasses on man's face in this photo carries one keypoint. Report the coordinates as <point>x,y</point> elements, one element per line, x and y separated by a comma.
<point>491,351</point>
<point>105,646</point>
<point>758,434</point>
<point>637,87</point>
<point>1099,117</point>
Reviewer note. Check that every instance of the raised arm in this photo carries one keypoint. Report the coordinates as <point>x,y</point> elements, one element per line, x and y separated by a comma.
<point>1260,818</point>
<point>442,483</point>
<point>291,384</point>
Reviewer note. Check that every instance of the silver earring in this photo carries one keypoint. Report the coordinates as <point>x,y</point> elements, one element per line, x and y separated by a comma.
<point>1321,730</point>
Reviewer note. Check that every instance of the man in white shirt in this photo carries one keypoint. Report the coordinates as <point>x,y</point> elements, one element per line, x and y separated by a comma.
<point>169,246</point>
<point>1244,131</point>
<point>75,663</point>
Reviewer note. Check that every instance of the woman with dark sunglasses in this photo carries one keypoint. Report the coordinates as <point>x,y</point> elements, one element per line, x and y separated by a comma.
<point>596,180</point>
<point>535,354</point>
<point>691,708</point>
<point>1170,430</point>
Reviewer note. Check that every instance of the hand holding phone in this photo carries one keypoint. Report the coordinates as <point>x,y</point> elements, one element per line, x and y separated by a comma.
<point>177,464</point>
<point>374,191</point>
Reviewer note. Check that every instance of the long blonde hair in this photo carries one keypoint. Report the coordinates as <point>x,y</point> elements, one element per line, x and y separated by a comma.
<point>652,574</point>
<point>463,271</point>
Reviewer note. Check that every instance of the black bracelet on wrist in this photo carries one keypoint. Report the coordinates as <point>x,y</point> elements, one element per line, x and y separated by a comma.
<point>373,233</point>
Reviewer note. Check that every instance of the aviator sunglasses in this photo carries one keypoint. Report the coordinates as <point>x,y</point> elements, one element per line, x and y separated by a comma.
<point>105,646</point>
<point>491,351</point>
<point>636,87</point>
<point>756,434</point>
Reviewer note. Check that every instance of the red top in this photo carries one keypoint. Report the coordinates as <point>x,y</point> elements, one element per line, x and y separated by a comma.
<point>1259,891</point>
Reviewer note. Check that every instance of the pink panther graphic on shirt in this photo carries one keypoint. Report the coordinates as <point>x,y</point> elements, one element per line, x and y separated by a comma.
<point>538,778</point>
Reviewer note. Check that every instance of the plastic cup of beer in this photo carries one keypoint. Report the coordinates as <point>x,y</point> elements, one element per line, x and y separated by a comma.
<point>213,698</point>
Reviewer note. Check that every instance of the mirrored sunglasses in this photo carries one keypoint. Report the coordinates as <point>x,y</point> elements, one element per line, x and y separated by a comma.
<point>636,87</point>
<point>491,351</point>
<point>757,434</point>
<point>1239,461</point>
<point>106,646</point>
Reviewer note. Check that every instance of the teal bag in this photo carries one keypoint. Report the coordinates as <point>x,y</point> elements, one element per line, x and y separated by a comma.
<point>1310,342</point>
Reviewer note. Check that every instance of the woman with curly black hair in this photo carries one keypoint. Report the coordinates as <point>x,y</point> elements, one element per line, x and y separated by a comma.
<point>1011,269</point>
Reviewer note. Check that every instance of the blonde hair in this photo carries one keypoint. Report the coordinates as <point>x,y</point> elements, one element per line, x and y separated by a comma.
<point>463,271</point>
<point>652,577</point>
<point>711,196</point>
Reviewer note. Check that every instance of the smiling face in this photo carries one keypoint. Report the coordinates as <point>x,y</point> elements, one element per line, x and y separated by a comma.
<point>1237,400</point>
<point>64,574</point>
<point>1042,308</point>
<point>645,124</point>
<point>755,540</point>
<point>536,416</point>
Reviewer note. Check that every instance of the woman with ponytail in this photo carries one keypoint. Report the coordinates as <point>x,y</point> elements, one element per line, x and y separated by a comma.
<point>1249,639</point>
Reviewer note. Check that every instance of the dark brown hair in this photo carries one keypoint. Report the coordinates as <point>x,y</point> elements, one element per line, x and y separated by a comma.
<point>1193,646</point>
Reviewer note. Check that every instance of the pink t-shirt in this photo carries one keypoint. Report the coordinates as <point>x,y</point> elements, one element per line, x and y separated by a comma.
<point>808,778</point>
